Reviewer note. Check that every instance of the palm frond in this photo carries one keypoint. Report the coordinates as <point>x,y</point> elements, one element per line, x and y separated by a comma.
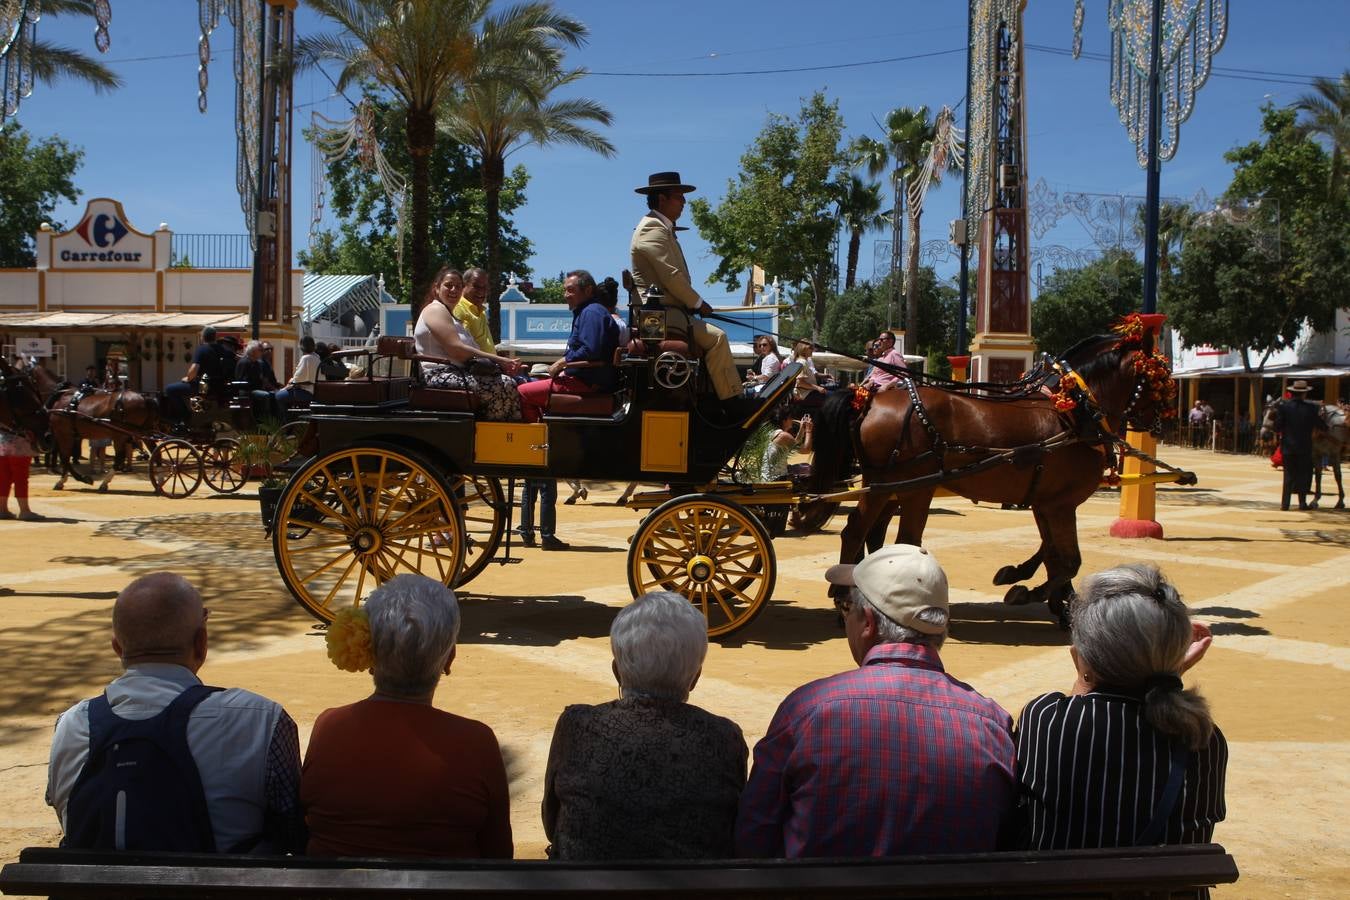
<point>52,63</point>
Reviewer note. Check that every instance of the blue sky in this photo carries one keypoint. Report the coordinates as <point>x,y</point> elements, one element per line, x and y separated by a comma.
<point>148,146</point>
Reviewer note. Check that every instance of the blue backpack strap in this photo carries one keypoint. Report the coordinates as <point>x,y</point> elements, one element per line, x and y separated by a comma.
<point>107,728</point>
<point>1176,774</point>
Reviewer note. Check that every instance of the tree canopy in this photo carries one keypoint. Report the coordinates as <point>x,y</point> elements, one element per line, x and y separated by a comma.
<point>34,177</point>
<point>1253,282</point>
<point>366,241</point>
<point>1078,303</point>
<point>859,314</point>
<point>780,211</point>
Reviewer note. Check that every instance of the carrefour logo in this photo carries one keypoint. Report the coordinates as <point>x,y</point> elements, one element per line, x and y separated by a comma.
<point>102,231</point>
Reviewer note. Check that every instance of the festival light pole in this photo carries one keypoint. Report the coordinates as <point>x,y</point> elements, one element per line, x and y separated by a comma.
<point>1161,53</point>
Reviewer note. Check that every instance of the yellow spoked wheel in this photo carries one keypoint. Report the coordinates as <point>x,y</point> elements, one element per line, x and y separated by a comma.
<point>350,520</point>
<point>710,550</point>
<point>483,503</point>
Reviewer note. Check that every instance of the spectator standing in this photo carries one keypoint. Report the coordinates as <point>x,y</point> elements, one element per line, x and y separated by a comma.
<point>242,751</point>
<point>392,775</point>
<point>17,449</point>
<point>894,757</point>
<point>1130,757</point>
<point>1296,419</point>
<point>647,776</point>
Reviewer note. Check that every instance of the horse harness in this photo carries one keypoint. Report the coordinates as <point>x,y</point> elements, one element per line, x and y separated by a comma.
<point>1084,420</point>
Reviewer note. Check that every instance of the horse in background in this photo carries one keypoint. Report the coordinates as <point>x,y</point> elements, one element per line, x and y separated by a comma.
<point>120,416</point>
<point>21,404</point>
<point>1328,445</point>
<point>1045,445</point>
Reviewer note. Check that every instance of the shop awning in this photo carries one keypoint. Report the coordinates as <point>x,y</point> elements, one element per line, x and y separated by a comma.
<point>332,296</point>
<point>1287,370</point>
<point>80,321</point>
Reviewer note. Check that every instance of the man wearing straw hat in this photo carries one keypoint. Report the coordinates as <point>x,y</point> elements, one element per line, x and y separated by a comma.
<point>1295,420</point>
<point>657,259</point>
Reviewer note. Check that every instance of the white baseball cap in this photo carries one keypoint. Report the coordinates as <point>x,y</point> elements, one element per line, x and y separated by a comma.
<point>899,580</point>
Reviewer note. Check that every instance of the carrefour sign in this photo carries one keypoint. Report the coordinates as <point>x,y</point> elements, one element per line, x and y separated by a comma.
<point>103,239</point>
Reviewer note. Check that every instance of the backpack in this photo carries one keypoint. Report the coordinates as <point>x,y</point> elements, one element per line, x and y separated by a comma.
<point>140,788</point>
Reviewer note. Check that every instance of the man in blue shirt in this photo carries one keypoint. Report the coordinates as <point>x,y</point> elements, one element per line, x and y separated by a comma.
<point>594,338</point>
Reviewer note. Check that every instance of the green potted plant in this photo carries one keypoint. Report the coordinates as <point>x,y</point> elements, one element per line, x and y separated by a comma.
<point>257,454</point>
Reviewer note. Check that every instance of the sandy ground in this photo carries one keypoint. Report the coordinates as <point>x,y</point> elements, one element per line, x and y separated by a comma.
<point>1272,585</point>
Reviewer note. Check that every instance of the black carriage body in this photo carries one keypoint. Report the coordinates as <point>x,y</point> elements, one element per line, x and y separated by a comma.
<point>650,437</point>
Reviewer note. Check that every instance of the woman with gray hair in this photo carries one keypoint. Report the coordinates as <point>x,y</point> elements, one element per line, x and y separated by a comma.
<point>392,775</point>
<point>647,776</point>
<point>1131,756</point>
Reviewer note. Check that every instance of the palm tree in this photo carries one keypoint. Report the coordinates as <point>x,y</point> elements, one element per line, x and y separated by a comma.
<point>422,50</point>
<point>860,211</point>
<point>51,63</point>
<point>497,118</point>
<point>1328,116</point>
<point>908,136</point>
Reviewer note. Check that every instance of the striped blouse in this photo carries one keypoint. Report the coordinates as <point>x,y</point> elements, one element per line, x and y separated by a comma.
<point>1091,770</point>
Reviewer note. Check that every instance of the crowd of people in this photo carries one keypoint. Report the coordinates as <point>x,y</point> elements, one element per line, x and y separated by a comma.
<point>894,756</point>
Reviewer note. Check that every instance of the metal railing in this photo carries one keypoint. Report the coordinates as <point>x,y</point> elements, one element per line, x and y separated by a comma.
<point>1219,435</point>
<point>211,251</point>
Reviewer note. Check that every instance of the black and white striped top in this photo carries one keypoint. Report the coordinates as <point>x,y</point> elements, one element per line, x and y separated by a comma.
<point>1091,770</point>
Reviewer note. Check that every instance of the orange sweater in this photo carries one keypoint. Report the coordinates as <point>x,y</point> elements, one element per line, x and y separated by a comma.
<point>383,778</point>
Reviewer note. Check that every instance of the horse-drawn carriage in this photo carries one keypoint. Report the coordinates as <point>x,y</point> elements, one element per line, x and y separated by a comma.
<point>402,477</point>
<point>205,448</point>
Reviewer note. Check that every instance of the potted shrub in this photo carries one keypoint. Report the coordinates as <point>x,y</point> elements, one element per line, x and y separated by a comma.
<point>256,454</point>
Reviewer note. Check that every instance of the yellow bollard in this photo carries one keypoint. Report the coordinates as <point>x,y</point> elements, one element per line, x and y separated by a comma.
<point>1138,500</point>
<point>960,367</point>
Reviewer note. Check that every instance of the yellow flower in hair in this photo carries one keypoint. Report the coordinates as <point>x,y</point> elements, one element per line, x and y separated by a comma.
<point>348,640</point>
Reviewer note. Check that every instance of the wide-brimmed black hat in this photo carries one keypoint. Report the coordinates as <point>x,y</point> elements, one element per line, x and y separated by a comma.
<point>665,181</point>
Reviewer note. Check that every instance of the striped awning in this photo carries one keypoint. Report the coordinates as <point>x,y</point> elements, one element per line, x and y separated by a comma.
<point>331,296</point>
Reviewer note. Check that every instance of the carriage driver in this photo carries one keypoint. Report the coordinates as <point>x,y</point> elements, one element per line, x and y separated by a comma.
<point>177,393</point>
<point>657,259</point>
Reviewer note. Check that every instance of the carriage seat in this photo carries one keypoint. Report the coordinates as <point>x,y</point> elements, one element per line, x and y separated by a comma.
<point>371,389</point>
<point>442,399</point>
<point>601,403</point>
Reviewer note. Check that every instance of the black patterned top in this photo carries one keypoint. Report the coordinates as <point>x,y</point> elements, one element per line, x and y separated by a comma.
<point>643,778</point>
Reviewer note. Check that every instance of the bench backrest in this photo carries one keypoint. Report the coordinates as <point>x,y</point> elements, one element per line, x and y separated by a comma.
<point>1131,871</point>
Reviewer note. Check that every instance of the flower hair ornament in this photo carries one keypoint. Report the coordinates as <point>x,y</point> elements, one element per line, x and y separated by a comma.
<point>348,640</point>
<point>862,395</point>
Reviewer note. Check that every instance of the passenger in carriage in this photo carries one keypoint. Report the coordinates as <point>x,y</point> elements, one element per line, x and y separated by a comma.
<point>440,334</point>
<point>594,338</point>
<point>251,369</point>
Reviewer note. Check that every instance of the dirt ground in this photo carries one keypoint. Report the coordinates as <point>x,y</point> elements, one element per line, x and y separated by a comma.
<point>1271,585</point>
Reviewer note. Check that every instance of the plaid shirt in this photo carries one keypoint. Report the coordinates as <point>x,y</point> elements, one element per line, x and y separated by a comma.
<point>891,758</point>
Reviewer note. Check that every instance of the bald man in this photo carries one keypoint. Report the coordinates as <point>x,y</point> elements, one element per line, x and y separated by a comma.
<point>244,747</point>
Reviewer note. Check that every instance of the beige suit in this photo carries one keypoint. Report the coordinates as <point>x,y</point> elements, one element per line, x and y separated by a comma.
<point>658,259</point>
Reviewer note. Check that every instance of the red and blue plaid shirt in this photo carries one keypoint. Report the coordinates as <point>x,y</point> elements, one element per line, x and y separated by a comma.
<point>895,757</point>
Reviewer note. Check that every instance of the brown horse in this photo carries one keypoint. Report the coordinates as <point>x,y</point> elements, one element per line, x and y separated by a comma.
<point>1015,447</point>
<point>21,406</point>
<point>122,416</point>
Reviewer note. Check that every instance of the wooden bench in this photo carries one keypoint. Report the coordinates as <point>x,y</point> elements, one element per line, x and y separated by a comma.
<point>1147,872</point>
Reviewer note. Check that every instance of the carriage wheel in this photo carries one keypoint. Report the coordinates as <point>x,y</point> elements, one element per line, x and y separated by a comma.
<point>812,515</point>
<point>483,503</point>
<point>710,550</point>
<point>221,468</point>
<point>175,468</point>
<point>349,520</point>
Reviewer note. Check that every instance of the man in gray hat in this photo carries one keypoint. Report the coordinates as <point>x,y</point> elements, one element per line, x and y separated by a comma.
<point>893,757</point>
<point>1295,419</point>
<point>658,260</point>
